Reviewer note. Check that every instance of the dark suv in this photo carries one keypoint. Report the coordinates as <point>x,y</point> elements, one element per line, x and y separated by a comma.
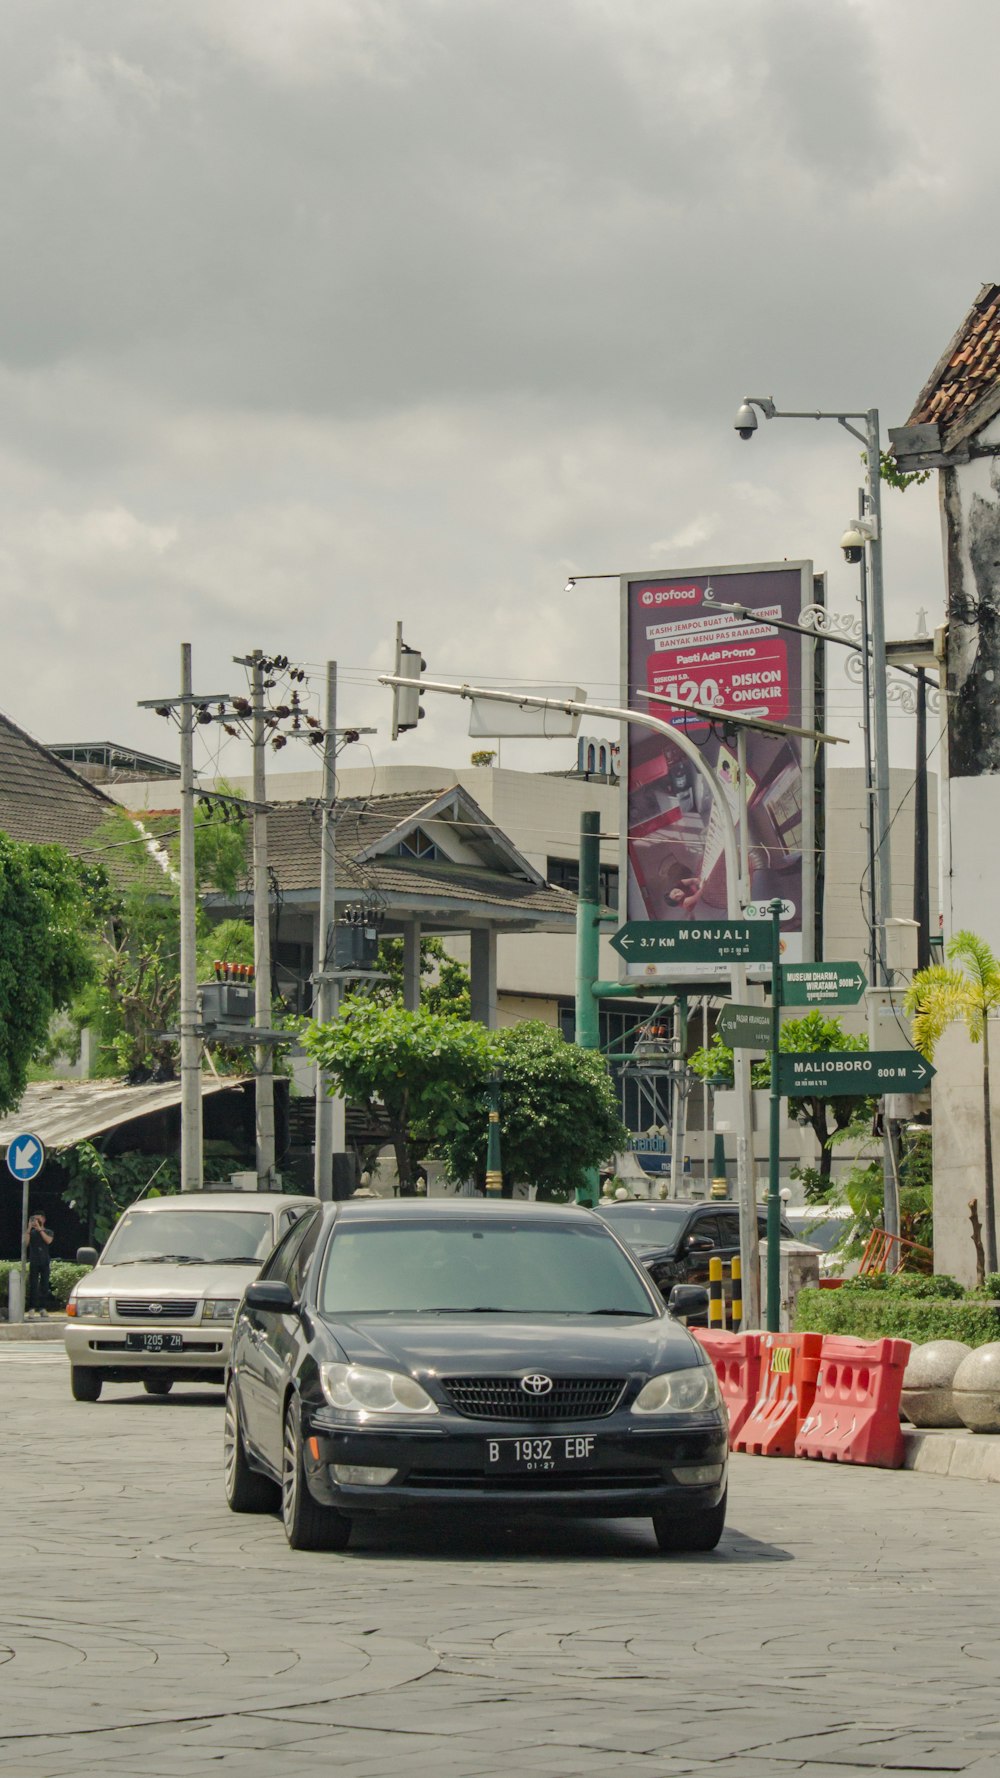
<point>674,1242</point>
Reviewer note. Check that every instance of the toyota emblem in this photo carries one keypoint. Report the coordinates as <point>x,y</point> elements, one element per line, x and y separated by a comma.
<point>535,1384</point>
<point>156,1308</point>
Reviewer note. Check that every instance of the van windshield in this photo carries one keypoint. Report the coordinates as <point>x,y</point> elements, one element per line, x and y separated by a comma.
<point>190,1237</point>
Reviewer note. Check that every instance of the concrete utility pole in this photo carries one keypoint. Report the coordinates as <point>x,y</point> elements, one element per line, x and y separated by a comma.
<point>330,1111</point>
<point>189,1020</point>
<point>263,1062</point>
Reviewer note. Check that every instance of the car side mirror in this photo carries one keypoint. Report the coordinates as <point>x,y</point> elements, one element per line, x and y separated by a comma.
<point>86,1256</point>
<point>688,1299</point>
<point>699,1244</point>
<point>273,1297</point>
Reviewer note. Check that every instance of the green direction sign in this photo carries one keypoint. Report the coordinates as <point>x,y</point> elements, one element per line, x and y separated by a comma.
<point>822,984</point>
<point>857,1072</point>
<point>694,941</point>
<point>745,1027</point>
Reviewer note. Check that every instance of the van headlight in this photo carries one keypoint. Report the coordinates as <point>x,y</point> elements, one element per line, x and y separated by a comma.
<point>679,1392</point>
<point>363,1389</point>
<point>219,1309</point>
<point>92,1308</point>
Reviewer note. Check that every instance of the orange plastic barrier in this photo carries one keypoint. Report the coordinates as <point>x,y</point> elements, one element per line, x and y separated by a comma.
<point>736,1358</point>
<point>854,1417</point>
<point>789,1367</point>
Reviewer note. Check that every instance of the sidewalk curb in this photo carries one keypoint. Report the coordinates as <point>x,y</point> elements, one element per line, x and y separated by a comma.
<point>972,1456</point>
<point>32,1330</point>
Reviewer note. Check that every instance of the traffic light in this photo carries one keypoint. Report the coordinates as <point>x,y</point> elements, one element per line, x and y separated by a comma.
<point>406,707</point>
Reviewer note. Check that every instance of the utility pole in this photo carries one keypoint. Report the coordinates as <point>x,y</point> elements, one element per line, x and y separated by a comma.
<point>189,1020</point>
<point>330,1118</point>
<point>588,940</point>
<point>263,1055</point>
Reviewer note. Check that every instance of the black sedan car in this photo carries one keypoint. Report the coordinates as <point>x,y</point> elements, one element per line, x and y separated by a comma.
<point>675,1241</point>
<point>402,1355</point>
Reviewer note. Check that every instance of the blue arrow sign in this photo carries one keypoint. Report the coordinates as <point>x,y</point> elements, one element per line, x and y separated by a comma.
<point>25,1157</point>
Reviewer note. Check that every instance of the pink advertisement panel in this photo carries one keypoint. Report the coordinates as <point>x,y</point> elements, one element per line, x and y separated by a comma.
<point>679,645</point>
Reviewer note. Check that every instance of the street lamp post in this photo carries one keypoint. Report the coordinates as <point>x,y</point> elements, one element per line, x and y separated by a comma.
<point>494,1163</point>
<point>865,531</point>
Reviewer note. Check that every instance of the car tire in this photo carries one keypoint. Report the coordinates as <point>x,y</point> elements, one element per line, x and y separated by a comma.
<point>246,1490</point>
<point>308,1525</point>
<point>692,1532</point>
<point>157,1385</point>
<point>85,1382</point>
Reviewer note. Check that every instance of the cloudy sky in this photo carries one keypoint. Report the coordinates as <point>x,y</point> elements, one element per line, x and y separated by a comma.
<point>316,314</point>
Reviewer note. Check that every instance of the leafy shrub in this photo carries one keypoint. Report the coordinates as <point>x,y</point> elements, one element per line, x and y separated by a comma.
<point>912,1285</point>
<point>875,1314</point>
<point>64,1274</point>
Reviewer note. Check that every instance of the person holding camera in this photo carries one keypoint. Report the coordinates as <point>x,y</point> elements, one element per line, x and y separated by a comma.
<point>39,1260</point>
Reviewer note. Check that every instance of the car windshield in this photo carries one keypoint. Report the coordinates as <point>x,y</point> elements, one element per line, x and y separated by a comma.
<point>656,1226</point>
<point>455,1267</point>
<point>190,1237</point>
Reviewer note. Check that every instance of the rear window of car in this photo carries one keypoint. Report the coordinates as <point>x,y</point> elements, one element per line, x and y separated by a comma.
<point>657,1227</point>
<point>453,1267</point>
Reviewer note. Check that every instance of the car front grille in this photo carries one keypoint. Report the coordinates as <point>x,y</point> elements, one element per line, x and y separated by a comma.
<point>502,1398</point>
<point>560,1482</point>
<point>155,1308</point>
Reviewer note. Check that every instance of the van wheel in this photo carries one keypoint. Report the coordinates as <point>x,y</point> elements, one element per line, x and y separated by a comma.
<point>157,1385</point>
<point>85,1382</point>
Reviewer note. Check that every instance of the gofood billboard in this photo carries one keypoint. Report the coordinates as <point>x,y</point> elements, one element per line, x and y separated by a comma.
<point>680,643</point>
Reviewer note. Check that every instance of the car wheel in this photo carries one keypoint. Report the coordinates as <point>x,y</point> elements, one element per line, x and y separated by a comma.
<point>693,1531</point>
<point>308,1526</point>
<point>246,1491</point>
<point>85,1382</point>
<point>158,1385</point>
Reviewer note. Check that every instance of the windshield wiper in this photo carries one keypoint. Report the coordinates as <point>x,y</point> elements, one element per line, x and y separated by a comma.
<point>160,1259</point>
<point>641,1314</point>
<point>233,1259</point>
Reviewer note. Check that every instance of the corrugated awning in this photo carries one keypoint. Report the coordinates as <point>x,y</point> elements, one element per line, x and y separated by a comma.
<point>62,1112</point>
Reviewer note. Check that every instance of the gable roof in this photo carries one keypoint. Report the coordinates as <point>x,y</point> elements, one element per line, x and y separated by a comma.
<point>43,801</point>
<point>498,882</point>
<point>962,392</point>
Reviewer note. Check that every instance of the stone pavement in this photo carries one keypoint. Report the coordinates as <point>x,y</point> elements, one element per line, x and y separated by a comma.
<point>847,1623</point>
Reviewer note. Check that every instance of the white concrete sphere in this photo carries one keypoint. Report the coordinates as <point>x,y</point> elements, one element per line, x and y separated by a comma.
<point>927,1386</point>
<point>976,1389</point>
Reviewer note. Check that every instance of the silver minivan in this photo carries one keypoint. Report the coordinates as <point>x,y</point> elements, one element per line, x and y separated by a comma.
<point>158,1307</point>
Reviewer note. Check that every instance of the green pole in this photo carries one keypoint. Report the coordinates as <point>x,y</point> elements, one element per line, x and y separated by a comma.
<point>774,1142</point>
<point>720,1180</point>
<point>588,954</point>
<point>494,1168</point>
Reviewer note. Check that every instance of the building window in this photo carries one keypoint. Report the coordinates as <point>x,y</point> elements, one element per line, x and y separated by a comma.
<point>417,844</point>
<point>564,873</point>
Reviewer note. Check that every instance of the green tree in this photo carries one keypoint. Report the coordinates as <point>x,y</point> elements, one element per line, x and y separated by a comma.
<point>968,990</point>
<point>447,987</point>
<point>559,1113</point>
<point>827,1118</point>
<point>421,1068</point>
<point>45,951</point>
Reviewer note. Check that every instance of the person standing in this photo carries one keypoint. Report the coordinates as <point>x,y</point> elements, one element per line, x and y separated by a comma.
<point>39,1259</point>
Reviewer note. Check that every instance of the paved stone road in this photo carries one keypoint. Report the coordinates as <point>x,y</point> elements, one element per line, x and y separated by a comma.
<point>847,1624</point>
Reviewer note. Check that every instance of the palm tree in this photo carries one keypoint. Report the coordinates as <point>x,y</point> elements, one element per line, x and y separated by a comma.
<point>936,998</point>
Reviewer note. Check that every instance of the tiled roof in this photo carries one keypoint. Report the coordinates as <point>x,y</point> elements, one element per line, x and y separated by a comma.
<point>293,843</point>
<point>969,372</point>
<point>43,801</point>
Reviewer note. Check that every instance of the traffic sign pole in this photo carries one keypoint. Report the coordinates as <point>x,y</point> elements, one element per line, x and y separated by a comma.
<point>25,1160</point>
<point>774,1143</point>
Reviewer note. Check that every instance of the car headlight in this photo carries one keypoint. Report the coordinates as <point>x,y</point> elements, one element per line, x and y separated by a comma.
<point>219,1309</point>
<point>92,1308</point>
<point>679,1392</point>
<point>360,1388</point>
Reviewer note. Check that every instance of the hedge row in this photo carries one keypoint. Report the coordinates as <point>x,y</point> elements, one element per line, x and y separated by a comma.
<point>64,1274</point>
<point>876,1315</point>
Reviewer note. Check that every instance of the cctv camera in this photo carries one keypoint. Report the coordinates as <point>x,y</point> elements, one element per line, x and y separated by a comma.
<point>853,543</point>
<point>745,421</point>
